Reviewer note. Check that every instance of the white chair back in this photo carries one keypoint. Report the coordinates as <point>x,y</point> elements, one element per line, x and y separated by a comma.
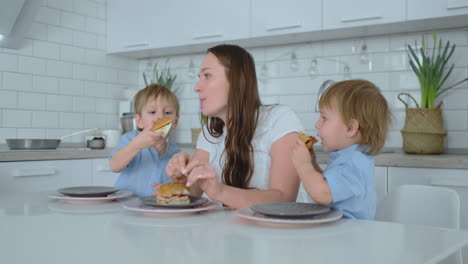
<point>423,205</point>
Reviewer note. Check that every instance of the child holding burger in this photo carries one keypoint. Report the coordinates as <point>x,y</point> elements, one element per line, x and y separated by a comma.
<point>354,118</point>
<point>142,155</point>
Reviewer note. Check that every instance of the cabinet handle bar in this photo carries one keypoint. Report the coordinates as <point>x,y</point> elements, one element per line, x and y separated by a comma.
<point>281,27</point>
<point>354,19</point>
<point>449,182</point>
<point>457,6</point>
<point>134,45</point>
<point>33,172</point>
<point>214,35</point>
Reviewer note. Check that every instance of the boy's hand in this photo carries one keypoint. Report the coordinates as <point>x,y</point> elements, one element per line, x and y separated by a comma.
<point>300,154</point>
<point>148,138</point>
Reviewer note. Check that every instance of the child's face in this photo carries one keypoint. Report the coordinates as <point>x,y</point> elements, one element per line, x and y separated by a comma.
<point>332,130</point>
<point>155,109</point>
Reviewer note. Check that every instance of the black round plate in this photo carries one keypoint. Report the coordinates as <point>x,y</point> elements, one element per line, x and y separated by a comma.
<point>290,209</point>
<point>88,191</point>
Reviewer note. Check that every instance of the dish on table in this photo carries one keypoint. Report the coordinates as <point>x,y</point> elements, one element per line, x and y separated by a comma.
<point>88,191</point>
<point>136,205</point>
<point>71,199</point>
<point>194,202</point>
<point>290,209</point>
<point>249,214</point>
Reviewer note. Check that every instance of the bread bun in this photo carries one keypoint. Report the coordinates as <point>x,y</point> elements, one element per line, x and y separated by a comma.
<point>308,140</point>
<point>173,193</point>
<point>163,124</point>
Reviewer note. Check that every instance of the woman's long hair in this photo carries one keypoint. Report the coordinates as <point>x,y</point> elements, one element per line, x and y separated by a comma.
<point>242,114</point>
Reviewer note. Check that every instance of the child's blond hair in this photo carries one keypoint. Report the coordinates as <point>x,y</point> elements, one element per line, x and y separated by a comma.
<point>154,91</point>
<point>361,100</point>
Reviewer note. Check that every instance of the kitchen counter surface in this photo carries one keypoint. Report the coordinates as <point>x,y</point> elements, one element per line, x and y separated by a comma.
<point>39,230</point>
<point>391,157</point>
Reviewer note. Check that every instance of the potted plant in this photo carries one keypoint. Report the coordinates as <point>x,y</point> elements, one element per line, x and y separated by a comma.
<point>424,132</point>
<point>165,76</point>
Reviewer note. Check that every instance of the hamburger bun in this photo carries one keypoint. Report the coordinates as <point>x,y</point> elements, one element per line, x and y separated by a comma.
<point>173,193</point>
<point>308,140</point>
<point>163,124</point>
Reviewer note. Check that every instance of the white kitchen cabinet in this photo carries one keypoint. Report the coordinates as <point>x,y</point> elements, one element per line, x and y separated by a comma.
<point>33,176</point>
<point>343,13</point>
<point>282,17</point>
<point>380,178</point>
<point>102,174</point>
<point>436,8</point>
<point>152,24</point>
<point>451,178</point>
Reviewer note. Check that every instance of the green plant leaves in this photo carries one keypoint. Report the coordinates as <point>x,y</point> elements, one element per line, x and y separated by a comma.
<point>164,76</point>
<point>431,69</point>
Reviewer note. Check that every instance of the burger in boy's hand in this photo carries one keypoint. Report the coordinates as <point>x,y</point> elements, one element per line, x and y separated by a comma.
<point>163,124</point>
<point>308,140</point>
<point>173,193</point>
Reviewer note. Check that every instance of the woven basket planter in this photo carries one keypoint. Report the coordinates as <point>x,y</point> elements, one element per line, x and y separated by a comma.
<point>424,129</point>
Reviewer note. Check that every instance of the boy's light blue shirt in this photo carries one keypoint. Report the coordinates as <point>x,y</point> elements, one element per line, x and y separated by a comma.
<point>350,176</point>
<point>145,168</point>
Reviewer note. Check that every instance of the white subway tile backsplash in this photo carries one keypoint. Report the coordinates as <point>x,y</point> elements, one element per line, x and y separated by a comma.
<point>106,106</point>
<point>8,99</point>
<point>60,35</point>
<point>45,49</point>
<point>8,62</point>
<point>393,61</point>
<point>31,133</point>
<point>106,75</point>
<point>86,7</point>
<point>73,21</point>
<point>84,104</point>
<point>43,84</point>
<point>32,65</point>
<point>95,120</point>
<point>112,121</point>
<point>31,101</point>
<point>96,57</point>
<point>457,99</point>
<point>127,77</point>
<point>457,139</point>
<point>59,103</point>
<point>303,85</point>
<point>72,54</point>
<point>16,118</point>
<point>45,120</point>
<point>299,103</point>
<point>455,120</point>
<point>460,56</point>
<point>48,15</point>
<point>6,132</point>
<point>85,39</point>
<point>71,120</point>
<point>17,82</point>
<point>95,25</point>
<point>102,43</point>
<point>84,72</point>
<point>403,80</point>
<point>101,11</point>
<point>95,89</point>
<point>66,5</point>
<point>71,87</point>
<point>59,69</point>
<point>338,47</point>
<point>37,31</point>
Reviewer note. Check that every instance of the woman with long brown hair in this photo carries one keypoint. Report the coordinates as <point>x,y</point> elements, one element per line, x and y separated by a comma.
<point>243,156</point>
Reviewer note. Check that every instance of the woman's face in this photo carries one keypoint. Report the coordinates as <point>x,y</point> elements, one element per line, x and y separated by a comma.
<point>213,88</point>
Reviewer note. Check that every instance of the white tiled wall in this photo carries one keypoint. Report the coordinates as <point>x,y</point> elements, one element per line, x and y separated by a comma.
<point>388,67</point>
<point>61,80</point>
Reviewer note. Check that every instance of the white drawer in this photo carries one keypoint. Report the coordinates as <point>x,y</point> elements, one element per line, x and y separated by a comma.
<point>102,174</point>
<point>32,176</point>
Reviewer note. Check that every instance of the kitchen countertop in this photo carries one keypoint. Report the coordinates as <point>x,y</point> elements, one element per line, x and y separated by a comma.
<point>391,157</point>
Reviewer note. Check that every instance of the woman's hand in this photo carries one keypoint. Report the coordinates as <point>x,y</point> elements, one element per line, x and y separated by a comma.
<point>176,168</point>
<point>204,175</point>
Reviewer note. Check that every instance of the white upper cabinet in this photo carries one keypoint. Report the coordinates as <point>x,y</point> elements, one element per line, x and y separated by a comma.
<point>149,24</point>
<point>436,8</point>
<point>281,17</point>
<point>344,13</point>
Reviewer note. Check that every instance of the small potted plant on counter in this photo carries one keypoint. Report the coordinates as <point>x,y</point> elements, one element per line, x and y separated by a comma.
<point>424,132</point>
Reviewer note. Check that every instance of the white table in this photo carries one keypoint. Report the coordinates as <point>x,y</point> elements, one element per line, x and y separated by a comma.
<point>34,229</point>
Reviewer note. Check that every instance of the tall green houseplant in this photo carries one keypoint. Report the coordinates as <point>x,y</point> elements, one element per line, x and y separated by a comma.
<point>431,68</point>
<point>164,76</point>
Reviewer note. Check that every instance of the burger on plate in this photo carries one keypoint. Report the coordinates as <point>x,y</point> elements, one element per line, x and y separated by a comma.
<point>163,124</point>
<point>308,140</point>
<point>173,193</point>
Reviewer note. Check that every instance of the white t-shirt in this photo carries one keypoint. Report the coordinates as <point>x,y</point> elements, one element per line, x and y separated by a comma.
<point>274,122</point>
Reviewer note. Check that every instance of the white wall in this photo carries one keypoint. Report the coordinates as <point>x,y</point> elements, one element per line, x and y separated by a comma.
<point>388,67</point>
<point>61,80</point>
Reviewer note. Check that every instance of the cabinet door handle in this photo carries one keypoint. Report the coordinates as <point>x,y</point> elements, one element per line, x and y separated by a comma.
<point>449,182</point>
<point>104,169</point>
<point>205,36</point>
<point>357,18</point>
<point>457,5</point>
<point>134,45</point>
<point>281,27</point>
<point>33,172</point>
